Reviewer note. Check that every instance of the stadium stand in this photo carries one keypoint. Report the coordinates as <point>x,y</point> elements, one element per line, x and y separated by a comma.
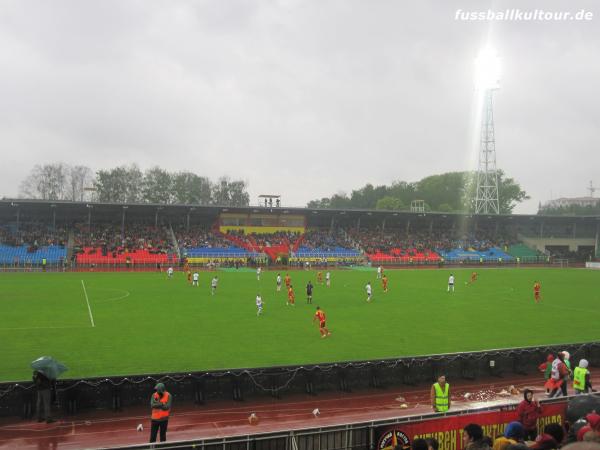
<point>136,244</point>
<point>199,245</point>
<point>491,254</point>
<point>275,245</point>
<point>563,252</point>
<point>321,246</point>
<point>25,255</point>
<point>198,237</point>
<point>293,237</point>
<point>391,247</point>
<point>524,253</point>
<point>474,246</point>
<point>32,243</point>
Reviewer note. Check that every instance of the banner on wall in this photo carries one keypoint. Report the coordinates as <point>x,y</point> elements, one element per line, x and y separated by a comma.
<point>448,430</point>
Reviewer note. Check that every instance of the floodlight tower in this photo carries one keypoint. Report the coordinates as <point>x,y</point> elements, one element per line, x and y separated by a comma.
<point>486,199</point>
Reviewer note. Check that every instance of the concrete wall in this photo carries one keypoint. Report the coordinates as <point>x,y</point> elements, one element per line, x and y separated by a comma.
<point>573,243</point>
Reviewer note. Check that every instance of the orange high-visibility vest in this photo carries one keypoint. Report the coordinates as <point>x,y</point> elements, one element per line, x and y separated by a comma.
<point>161,414</point>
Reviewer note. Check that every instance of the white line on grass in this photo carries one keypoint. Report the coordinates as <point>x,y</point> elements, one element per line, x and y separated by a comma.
<point>41,328</point>
<point>87,300</point>
<point>113,299</point>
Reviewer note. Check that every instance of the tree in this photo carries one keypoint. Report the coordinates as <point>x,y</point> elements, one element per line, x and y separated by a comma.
<point>389,203</point>
<point>337,201</point>
<point>367,196</point>
<point>317,204</point>
<point>340,201</point>
<point>46,182</point>
<point>509,193</point>
<point>157,186</point>
<point>191,189</point>
<point>402,190</point>
<point>446,188</point>
<point>230,193</point>
<point>127,184</point>
<point>79,178</point>
<point>444,207</point>
<point>452,191</point>
<point>220,192</point>
<point>238,196</point>
<point>119,185</point>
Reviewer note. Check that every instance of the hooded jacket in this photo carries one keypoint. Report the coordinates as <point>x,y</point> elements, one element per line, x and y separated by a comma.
<point>544,442</point>
<point>547,366</point>
<point>528,412</point>
<point>156,403</point>
<point>593,424</point>
<point>512,435</point>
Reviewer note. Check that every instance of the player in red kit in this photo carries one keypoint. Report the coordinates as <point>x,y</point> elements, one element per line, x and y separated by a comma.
<point>473,279</point>
<point>320,316</point>
<point>384,282</point>
<point>288,280</point>
<point>537,287</point>
<point>291,296</point>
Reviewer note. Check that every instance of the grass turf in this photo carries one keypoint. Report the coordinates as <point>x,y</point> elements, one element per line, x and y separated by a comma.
<point>145,323</point>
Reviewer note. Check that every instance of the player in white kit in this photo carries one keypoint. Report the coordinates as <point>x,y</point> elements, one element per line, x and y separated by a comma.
<point>278,282</point>
<point>170,273</point>
<point>213,285</point>
<point>259,305</point>
<point>369,290</point>
<point>451,283</point>
<point>195,279</point>
<point>258,271</point>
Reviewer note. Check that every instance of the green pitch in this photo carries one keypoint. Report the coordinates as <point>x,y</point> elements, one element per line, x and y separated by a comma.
<point>145,323</point>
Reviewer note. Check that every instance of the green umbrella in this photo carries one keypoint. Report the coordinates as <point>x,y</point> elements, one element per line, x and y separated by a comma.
<point>50,367</point>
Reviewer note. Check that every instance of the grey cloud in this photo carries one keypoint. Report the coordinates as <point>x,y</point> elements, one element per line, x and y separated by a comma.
<point>305,98</point>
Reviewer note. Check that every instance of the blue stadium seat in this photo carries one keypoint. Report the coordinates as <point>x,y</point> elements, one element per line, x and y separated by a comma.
<point>338,252</point>
<point>224,252</point>
<point>20,255</point>
<point>458,254</point>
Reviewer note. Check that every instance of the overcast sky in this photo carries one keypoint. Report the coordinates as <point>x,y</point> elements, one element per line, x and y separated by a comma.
<point>302,98</point>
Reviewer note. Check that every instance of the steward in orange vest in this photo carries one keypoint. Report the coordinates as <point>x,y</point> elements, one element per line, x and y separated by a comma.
<point>161,409</point>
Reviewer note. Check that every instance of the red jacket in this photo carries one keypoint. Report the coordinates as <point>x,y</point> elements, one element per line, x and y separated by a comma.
<point>528,413</point>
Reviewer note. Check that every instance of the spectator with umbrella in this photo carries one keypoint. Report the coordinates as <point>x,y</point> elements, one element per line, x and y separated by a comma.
<point>45,372</point>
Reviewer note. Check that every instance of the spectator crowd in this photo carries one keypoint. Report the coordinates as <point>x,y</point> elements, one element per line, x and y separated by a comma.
<point>33,235</point>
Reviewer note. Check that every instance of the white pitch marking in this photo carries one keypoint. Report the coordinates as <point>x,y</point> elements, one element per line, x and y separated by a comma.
<point>112,299</point>
<point>87,300</point>
<point>41,328</point>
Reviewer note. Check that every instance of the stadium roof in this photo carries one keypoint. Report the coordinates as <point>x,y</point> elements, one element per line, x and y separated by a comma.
<point>65,206</point>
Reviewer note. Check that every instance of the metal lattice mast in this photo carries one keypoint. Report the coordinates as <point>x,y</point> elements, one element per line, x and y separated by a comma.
<point>486,200</point>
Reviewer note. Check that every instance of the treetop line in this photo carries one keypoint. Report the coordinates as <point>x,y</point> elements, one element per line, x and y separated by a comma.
<point>447,192</point>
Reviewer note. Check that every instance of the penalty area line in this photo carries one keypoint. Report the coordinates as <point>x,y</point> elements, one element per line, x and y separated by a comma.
<point>87,300</point>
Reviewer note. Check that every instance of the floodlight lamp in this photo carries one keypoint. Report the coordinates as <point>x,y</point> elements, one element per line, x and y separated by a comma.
<point>487,70</point>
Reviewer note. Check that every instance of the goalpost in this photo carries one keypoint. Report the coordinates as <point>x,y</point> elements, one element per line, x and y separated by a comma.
<point>561,262</point>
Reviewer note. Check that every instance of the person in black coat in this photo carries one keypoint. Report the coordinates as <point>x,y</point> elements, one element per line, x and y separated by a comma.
<point>43,386</point>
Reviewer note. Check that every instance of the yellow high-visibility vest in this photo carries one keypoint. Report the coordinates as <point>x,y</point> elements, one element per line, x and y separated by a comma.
<point>441,397</point>
<point>579,378</point>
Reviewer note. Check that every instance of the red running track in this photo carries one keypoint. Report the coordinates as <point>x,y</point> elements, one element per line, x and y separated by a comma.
<point>229,418</point>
